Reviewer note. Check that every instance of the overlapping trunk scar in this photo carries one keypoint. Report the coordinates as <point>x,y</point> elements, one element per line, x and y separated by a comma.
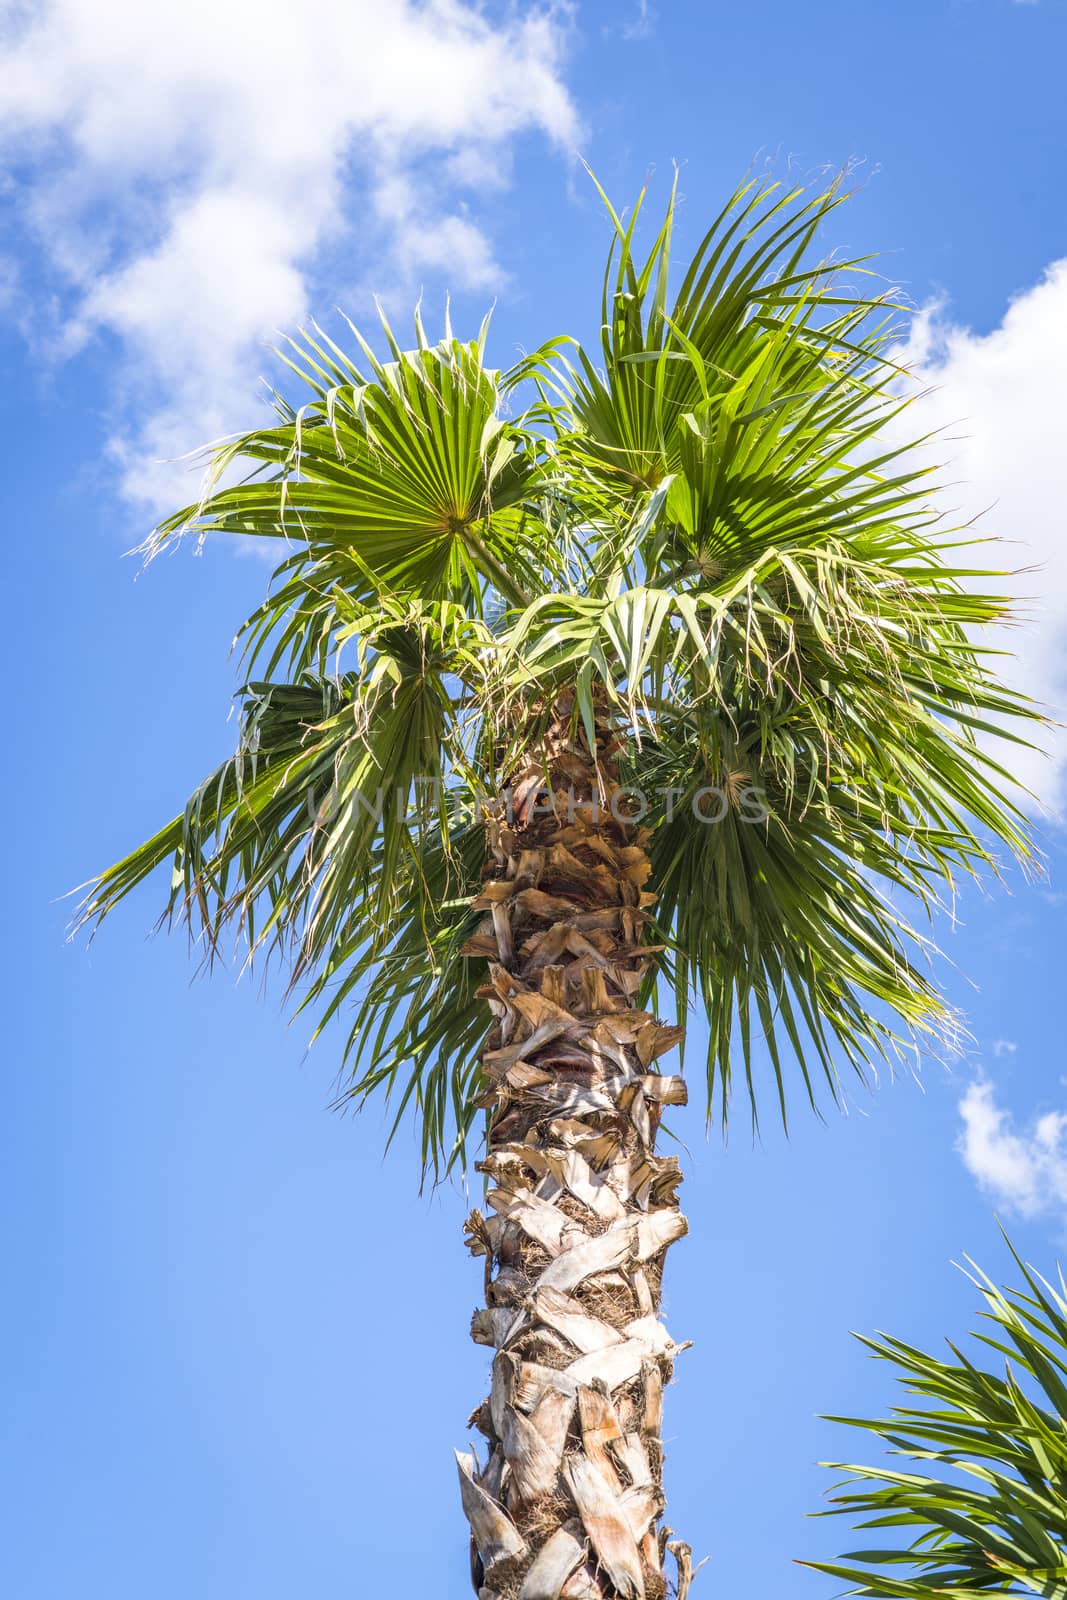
<point>581,1210</point>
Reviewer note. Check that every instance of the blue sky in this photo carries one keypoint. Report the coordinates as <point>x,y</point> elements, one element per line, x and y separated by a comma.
<point>200,1401</point>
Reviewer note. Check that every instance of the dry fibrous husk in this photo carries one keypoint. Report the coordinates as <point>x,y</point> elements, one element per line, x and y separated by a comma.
<point>581,1209</point>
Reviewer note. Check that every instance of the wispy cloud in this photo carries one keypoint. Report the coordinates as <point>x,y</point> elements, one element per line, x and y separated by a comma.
<point>191,175</point>
<point>1024,1170</point>
<point>1001,398</point>
<point>641,23</point>
<point>1004,1047</point>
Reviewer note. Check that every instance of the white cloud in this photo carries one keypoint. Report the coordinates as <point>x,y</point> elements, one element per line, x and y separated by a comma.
<point>8,281</point>
<point>1026,1171</point>
<point>189,166</point>
<point>441,243</point>
<point>1004,1047</point>
<point>1001,398</point>
<point>641,25</point>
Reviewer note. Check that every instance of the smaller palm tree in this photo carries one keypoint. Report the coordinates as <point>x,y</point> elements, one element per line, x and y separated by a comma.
<point>984,1509</point>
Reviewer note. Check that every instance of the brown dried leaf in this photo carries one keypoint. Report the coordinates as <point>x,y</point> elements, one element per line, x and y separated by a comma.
<point>563,1313</point>
<point>554,1563</point>
<point>633,1459</point>
<point>534,1461</point>
<point>600,1428</point>
<point>539,1219</point>
<point>618,1364</point>
<point>652,1385</point>
<point>497,1062</point>
<point>668,1090</point>
<point>498,1540</point>
<point>608,1529</point>
<point>580,1261</point>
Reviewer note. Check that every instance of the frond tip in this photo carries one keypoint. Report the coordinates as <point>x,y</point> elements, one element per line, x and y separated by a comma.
<point>982,1506</point>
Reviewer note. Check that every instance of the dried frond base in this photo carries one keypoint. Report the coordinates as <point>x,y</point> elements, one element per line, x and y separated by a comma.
<point>581,1211</point>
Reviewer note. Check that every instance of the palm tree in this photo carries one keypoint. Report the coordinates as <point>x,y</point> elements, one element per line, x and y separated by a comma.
<point>984,1507</point>
<point>576,684</point>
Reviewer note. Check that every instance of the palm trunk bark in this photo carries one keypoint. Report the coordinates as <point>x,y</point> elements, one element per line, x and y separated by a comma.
<point>567,1504</point>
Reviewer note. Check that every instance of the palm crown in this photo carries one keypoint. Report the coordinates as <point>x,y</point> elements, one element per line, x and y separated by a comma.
<point>707,539</point>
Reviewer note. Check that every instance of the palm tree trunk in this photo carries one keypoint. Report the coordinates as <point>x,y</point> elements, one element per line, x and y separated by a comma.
<point>567,1505</point>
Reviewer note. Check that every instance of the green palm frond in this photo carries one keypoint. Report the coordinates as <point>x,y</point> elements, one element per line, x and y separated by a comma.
<point>751,275</point>
<point>396,480</point>
<point>830,694</point>
<point>717,535</point>
<point>308,836</point>
<point>983,1506</point>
